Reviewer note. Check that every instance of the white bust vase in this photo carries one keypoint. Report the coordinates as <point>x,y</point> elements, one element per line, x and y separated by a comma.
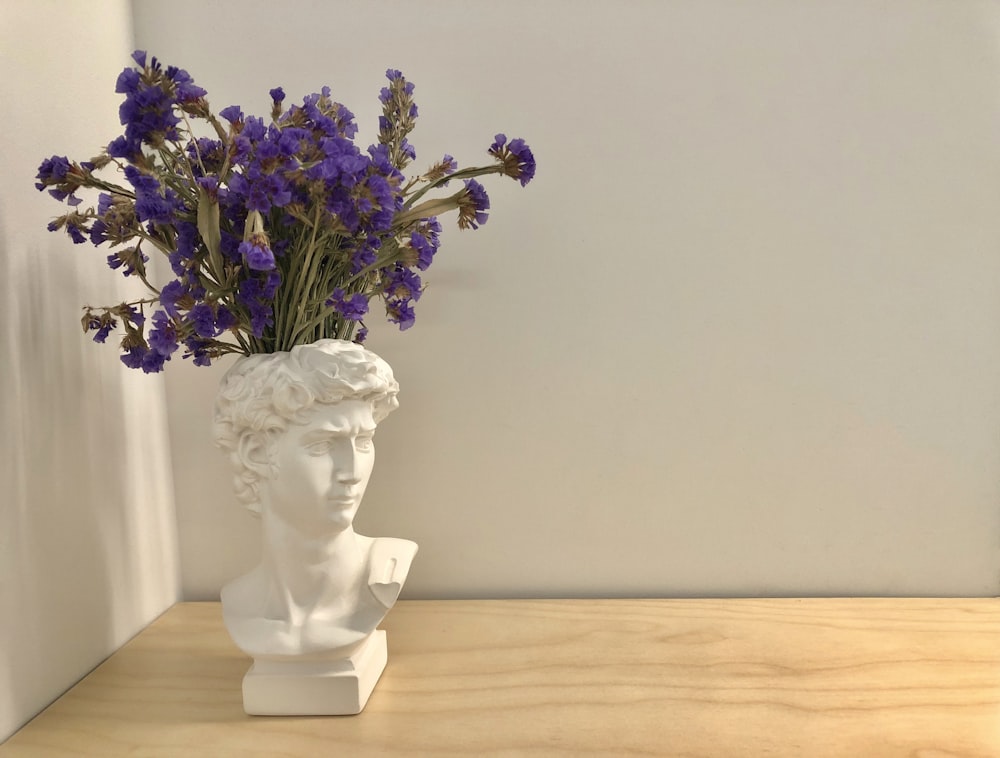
<point>298,427</point>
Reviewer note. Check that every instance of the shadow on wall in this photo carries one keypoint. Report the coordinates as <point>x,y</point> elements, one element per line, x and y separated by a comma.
<point>71,584</point>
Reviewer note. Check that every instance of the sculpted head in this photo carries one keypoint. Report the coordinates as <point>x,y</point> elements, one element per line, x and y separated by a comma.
<point>263,396</point>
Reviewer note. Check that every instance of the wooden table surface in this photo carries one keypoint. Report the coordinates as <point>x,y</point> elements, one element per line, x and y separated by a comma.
<point>733,678</point>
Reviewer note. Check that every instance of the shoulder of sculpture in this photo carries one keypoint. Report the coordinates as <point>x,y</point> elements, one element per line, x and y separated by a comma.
<point>387,548</point>
<point>244,592</point>
<point>389,560</point>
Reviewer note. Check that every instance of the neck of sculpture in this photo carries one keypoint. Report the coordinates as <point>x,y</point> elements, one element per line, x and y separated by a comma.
<point>309,572</point>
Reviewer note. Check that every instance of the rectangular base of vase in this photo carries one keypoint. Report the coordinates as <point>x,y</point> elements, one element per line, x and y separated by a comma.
<point>341,688</point>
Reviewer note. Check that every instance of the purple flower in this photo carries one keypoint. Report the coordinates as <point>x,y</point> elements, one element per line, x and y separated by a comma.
<point>52,171</point>
<point>425,252</point>
<point>134,355</point>
<point>211,186</point>
<point>103,328</point>
<point>254,128</point>
<point>120,147</point>
<point>472,206</point>
<point>265,179</point>
<point>75,233</point>
<point>365,253</point>
<point>526,160</point>
<point>291,139</point>
<point>144,183</point>
<point>202,318</point>
<point>395,76</point>
<point>152,203</point>
<point>517,159</point>
<point>130,257</point>
<point>163,336</point>
<point>256,251</point>
<point>152,362</point>
<point>255,295</point>
<point>104,203</point>
<point>425,242</point>
<point>170,295</point>
<point>400,312</point>
<point>128,81</point>
<point>148,109</point>
<point>352,308</point>
<point>184,87</point>
<point>197,350</point>
<point>260,318</point>
<point>187,238</point>
<point>210,153</point>
<point>271,284</point>
<point>400,283</point>
<point>159,210</point>
<point>61,177</point>
<point>224,319</point>
<point>233,114</point>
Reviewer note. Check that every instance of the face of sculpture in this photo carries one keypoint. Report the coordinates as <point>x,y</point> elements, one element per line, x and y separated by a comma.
<point>323,467</point>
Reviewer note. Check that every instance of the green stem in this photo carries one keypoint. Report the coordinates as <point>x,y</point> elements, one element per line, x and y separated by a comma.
<point>242,340</point>
<point>296,294</point>
<point>380,262</point>
<point>426,210</point>
<point>323,315</point>
<point>465,173</point>
<point>93,182</point>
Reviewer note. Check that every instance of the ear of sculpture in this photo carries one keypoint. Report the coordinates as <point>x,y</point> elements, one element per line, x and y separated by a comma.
<point>253,451</point>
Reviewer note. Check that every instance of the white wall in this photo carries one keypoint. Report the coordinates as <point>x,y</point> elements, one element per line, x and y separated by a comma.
<point>88,550</point>
<point>740,337</point>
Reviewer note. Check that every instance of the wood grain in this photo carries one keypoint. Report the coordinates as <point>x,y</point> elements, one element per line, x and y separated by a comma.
<point>817,677</point>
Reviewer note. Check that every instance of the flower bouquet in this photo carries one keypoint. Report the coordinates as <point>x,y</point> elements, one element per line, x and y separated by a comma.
<point>278,234</point>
